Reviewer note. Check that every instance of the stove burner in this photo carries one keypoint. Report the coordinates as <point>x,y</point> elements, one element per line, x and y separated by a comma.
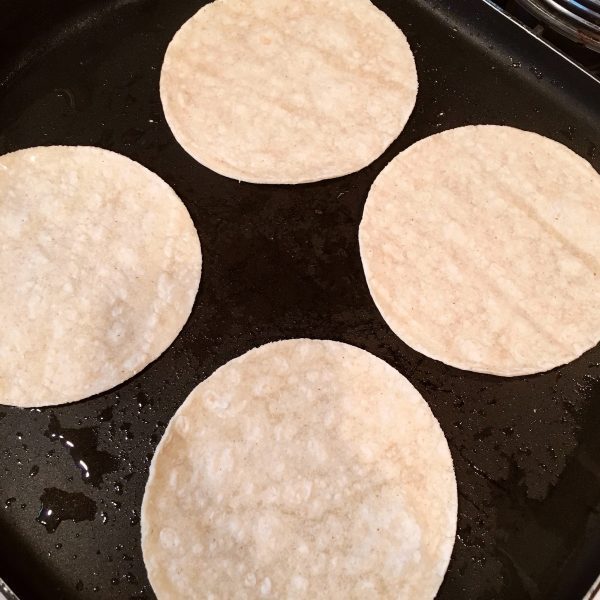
<point>562,28</point>
<point>579,20</point>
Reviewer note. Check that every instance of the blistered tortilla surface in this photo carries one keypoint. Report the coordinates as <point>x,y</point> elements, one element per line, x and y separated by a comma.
<point>481,248</point>
<point>281,91</point>
<point>99,267</point>
<point>303,469</point>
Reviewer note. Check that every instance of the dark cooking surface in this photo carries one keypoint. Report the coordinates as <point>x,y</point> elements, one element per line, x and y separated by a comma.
<point>283,262</point>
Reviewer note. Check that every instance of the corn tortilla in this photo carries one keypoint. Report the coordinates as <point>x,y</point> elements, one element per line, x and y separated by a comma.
<point>481,248</point>
<point>281,91</point>
<point>303,469</point>
<point>99,267</point>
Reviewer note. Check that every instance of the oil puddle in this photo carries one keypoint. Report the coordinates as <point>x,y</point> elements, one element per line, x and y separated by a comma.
<point>59,506</point>
<point>106,414</point>
<point>82,445</point>
<point>142,400</point>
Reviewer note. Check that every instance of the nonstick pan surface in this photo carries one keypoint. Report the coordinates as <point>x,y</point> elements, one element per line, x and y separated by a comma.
<point>283,262</point>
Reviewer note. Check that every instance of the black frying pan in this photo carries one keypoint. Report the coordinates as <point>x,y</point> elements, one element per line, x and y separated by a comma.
<point>283,262</point>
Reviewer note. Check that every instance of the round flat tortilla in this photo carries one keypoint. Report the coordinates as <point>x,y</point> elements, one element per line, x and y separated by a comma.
<point>481,248</point>
<point>281,91</point>
<point>99,267</point>
<point>303,469</point>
